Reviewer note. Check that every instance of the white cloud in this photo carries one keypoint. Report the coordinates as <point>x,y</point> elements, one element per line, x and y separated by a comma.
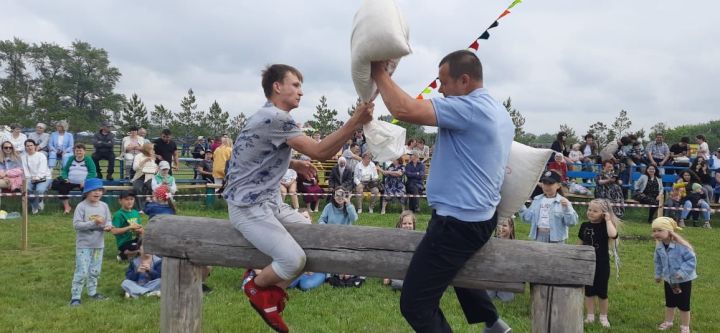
<point>562,62</point>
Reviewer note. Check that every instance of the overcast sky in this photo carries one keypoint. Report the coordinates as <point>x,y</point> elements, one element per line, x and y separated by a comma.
<point>574,62</point>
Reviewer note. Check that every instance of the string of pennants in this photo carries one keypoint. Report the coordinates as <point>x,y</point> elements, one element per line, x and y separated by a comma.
<point>474,46</point>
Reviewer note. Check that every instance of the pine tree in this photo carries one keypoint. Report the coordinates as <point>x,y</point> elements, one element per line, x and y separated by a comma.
<point>134,113</point>
<point>185,122</point>
<point>161,117</point>
<point>237,123</point>
<point>621,124</point>
<point>217,120</point>
<point>324,118</point>
<point>570,133</point>
<point>517,118</point>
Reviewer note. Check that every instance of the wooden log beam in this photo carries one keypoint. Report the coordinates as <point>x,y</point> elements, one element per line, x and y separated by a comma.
<point>370,251</point>
<point>180,297</point>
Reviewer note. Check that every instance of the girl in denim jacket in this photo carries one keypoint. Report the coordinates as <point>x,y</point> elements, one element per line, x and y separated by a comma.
<point>550,213</point>
<point>675,263</point>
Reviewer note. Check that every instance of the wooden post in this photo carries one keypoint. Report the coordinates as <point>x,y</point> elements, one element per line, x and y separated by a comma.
<point>25,219</point>
<point>556,309</point>
<point>661,204</point>
<point>181,297</point>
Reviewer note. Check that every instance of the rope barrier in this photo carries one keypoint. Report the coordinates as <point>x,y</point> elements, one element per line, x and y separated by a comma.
<point>366,194</point>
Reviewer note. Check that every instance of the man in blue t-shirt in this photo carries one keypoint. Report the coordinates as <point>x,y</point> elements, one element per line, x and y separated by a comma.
<point>473,143</point>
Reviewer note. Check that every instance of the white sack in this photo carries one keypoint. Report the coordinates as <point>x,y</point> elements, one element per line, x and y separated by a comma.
<point>385,141</point>
<point>379,33</point>
<point>525,166</point>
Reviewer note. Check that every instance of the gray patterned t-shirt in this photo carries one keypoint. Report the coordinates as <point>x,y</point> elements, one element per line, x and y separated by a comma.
<point>260,157</point>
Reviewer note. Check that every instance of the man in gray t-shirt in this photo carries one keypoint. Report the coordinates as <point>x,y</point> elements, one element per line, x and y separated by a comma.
<point>260,157</point>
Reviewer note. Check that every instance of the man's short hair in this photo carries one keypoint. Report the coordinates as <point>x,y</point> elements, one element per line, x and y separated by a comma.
<point>276,73</point>
<point>463,62</point>
<point>589,136</point>
<point>685,139</point>
<point>354,145</point>
<point>166,131</point>
<point>133,128</point>
<point>79,146</point>
<point>127,194</point>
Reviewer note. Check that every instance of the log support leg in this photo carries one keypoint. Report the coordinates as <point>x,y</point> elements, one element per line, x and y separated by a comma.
<point>181,297</point>
<point>557,309</point>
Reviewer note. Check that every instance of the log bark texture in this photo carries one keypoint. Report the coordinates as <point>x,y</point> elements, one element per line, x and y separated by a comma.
<point>180,297</point>
<point>370,251</point>
<point>557,309</point>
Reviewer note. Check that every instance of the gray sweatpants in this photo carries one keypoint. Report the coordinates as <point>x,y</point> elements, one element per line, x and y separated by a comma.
<point>261,225</point>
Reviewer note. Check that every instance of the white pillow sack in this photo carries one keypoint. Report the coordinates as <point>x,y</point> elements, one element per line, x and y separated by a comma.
<point>379,33</point>
<point>385,141</point>
<point>524,168</point>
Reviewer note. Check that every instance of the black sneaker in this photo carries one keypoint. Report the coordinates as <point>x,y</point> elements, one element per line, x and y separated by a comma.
<point>205,289</point>
<point>74,302</point>
<point>99,297</point>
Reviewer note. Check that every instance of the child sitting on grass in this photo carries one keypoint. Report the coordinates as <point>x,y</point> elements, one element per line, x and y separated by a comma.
<point>126,227</point>
<point>91,218</point>
<point>162,203</point>
<point>143,276</point>
<point>406,221</point>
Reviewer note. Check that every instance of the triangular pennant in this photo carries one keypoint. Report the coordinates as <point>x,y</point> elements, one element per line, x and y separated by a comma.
<point>419,96</point>
<point>475,45</point>
<point>514,4</point>
<point>427,90</point>
<point>485,35</point>
<point>503,14</point>
<point>433,84</point>
<point>493,25</point>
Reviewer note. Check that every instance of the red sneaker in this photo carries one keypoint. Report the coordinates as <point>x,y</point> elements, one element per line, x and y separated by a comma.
<point>268,303</point>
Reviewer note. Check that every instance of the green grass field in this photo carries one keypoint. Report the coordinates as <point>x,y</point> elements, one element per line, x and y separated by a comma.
<point>37,287</point>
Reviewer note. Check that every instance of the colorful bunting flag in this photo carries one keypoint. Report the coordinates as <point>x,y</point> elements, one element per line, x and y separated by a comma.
<point>475,45</point>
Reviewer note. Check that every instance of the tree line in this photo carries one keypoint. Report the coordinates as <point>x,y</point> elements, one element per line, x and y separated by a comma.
<point>620,126</point>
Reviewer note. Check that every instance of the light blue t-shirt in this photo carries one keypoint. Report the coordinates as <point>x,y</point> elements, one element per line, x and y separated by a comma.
<point>473,143</point>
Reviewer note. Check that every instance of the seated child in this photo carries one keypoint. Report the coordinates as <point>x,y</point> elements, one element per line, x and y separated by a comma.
<point>162,203</point>
<point>143,276</point>
<point>406,221</point>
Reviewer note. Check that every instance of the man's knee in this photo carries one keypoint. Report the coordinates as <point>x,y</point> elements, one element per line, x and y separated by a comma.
<point>294,265</point>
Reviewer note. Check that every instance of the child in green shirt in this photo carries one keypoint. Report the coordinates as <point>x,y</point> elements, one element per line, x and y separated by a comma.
<point>127,227</point>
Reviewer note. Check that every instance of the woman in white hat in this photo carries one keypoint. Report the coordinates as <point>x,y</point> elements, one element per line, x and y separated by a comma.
<point>40,138</point>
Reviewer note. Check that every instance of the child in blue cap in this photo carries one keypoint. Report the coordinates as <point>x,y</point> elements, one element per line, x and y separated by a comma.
<point>91,218</point>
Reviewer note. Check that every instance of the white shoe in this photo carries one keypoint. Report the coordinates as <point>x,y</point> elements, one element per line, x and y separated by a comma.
<point>155,293</point>
<point>499,327</point>
<point>34,211</point>
<point>370,211</point>
<point>359,211</point>
<point>589,319</point>
<point>127,295</point>
<point>41,205</point>
<point>604,321</point>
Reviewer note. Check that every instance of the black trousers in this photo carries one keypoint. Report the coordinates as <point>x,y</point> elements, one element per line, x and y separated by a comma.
<point>108,156</point>
<point>413,188</point>
<point>443,251</point>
